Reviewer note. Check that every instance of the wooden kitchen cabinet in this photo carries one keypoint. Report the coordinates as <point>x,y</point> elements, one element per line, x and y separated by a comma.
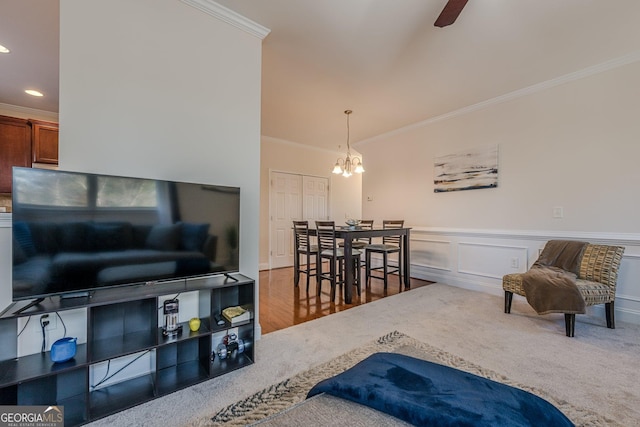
<point>15,148</point>
<point>44,139</point>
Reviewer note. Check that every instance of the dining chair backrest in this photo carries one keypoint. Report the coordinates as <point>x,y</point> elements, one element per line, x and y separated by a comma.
<point>326,233</point>
<point>392,223</point>
<point>301,232</point>
<point>366,224</point>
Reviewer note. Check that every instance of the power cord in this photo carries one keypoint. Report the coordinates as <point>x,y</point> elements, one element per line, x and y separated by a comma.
<point>25,326</point>
<point>108,377</point>
<point>63,324</point>
<point>43,325</point>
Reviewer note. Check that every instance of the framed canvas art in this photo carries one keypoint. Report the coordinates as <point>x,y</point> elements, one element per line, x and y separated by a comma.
<point>466,170</point>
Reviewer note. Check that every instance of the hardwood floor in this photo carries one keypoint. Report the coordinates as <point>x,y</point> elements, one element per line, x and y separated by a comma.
<point>283,305</point>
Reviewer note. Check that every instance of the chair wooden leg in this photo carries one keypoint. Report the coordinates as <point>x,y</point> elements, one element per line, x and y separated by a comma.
<point>296,270</point>
<point>308,271</point>
<point>609,309</point>
<point>508,298</point>
<point>400,271</point>
<point>570,324</point>
<point>358,273</point>
<point>384,260</point>
<point>319,273</point>
<point>367,269</point>
<point>332,268</point>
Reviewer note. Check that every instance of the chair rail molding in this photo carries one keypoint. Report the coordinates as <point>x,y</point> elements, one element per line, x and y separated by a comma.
<point>543,235</point>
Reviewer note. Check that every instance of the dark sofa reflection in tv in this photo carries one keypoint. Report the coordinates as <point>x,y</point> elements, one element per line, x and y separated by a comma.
<point>53,257</point>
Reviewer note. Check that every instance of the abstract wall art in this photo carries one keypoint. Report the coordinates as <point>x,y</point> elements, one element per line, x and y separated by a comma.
<point>466,170</point>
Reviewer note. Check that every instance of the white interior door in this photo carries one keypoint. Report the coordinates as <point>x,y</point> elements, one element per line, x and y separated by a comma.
<point>286,206</point>
<point>316,196</point>
<point>293,197</point>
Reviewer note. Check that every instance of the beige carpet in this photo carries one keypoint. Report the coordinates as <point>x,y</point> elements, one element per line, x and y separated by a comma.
<point>596,370</point>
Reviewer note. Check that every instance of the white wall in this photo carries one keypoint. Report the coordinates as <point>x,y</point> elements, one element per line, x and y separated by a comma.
<point>156,88</point>
<point>282,156</point>
<point>572,145</point>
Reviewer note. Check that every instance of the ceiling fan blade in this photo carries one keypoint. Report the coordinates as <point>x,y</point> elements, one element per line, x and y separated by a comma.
<point>450,13</point>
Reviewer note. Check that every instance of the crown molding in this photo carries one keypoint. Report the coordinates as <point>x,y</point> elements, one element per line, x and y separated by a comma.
<point>305,146</point>
<point>529,90</point>
<point>29,113</point>
<point>229,16</point>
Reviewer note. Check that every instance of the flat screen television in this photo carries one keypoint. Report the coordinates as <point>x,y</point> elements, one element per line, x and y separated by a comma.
<point>77,232</point>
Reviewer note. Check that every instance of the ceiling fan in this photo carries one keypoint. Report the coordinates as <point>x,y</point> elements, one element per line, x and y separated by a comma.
<point>450,13</point>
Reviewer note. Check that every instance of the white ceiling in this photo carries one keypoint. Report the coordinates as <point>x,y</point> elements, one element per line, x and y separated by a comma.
<point>383,59</point>
<point>30,29</point>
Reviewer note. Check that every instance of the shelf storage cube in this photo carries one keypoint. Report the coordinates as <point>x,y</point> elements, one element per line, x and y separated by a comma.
<point>127,359</point>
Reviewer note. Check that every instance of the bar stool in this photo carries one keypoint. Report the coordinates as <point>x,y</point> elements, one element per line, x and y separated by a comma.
<point>329,250</point>
<point>389,245</point>
<point>304,248</point>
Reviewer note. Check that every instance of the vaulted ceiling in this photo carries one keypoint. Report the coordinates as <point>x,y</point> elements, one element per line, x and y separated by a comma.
<point>385,60</point>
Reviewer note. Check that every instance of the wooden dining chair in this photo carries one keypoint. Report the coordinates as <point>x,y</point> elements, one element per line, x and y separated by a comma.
<point>389,246</point>
<point>330,251</point>
<point>304,248</point>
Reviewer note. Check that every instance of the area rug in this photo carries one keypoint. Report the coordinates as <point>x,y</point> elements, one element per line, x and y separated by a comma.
<point>281,396</point>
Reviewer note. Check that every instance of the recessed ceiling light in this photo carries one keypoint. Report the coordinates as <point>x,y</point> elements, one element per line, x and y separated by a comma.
<point>33,92</point>
<point>4,49</point>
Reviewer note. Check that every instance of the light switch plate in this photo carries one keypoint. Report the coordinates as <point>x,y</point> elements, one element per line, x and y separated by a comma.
<point>558,212</point>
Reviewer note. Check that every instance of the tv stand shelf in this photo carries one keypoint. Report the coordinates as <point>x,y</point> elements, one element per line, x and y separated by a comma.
<point>127,360</point>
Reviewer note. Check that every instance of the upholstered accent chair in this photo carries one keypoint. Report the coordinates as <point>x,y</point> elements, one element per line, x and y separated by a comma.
<point>596,280</point>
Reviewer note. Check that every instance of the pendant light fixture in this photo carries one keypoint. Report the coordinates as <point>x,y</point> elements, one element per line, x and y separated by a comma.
<point>348,165</point>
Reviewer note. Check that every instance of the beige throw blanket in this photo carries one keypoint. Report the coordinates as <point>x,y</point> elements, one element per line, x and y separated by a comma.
<point>550,284</point>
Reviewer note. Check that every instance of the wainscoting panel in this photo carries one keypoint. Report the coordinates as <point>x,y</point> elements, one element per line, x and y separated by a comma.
<point>429,253</point>
<point>490,260</point>
<point>478,259</point>
<point>627,292</point>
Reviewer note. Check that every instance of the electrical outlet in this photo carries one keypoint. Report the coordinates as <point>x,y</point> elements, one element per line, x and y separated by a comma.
<point>515,263</point>
<point>51,318</point>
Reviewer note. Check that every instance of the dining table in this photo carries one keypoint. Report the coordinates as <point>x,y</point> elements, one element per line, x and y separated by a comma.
<point>351,233</point>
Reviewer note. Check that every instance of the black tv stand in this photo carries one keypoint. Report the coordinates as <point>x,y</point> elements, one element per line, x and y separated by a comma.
<point>33,303</point>
<point>228,276</point>
<point>122,325</point>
